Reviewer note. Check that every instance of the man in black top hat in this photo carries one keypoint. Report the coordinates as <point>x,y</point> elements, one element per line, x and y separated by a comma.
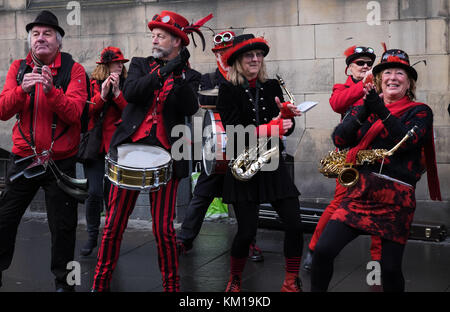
<point>47,93</point>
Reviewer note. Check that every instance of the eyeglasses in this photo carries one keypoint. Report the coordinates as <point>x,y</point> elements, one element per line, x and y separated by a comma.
<point>166,19</point>
<point>362,63</point>
<point>364,49</point>
<point>251,55</point>
<point>225,37</point>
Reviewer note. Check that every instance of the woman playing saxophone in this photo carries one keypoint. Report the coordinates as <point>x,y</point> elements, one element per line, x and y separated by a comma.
<point>250,99</point>
<point>381,203</point>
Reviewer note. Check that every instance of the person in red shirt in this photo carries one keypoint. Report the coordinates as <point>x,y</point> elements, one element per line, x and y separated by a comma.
<point>107,81</point>
<point>48,127</point>
<point>359,62</point>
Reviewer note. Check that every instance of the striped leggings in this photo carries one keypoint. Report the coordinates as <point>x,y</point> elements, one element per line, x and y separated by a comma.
<point>121,203</point>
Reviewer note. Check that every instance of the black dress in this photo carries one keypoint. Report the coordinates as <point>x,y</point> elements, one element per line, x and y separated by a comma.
<point>236,107</point>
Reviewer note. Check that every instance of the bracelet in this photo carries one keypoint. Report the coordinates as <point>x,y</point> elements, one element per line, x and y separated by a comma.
<point>386,117</point>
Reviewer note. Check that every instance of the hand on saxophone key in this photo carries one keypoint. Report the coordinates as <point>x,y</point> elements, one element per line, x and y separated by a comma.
<point>287,109</point>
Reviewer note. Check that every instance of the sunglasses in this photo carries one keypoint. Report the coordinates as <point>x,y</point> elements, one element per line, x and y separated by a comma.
<point>166,19</point>
<point>364,49</point>
<point>223,38</point>
<point>362,63</point>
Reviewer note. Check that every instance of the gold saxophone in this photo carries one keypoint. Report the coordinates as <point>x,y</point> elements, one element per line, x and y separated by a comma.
<point>248,163</point>
<point>334,165</point>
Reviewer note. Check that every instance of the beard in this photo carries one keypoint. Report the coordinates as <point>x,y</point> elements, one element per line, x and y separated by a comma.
<point>159,52</point>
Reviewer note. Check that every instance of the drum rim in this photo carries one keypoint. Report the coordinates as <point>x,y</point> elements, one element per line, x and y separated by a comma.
<point>210,112</point>
<point>115,163</point>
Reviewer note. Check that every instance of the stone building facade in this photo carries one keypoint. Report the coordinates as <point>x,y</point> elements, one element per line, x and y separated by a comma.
<point>307,40</point>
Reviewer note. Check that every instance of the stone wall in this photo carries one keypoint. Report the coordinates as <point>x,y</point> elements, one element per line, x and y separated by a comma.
<point>307,39</point>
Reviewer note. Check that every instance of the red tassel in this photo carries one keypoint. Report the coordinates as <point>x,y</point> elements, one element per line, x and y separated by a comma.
<point>349,51</point>
<point>383,44</point>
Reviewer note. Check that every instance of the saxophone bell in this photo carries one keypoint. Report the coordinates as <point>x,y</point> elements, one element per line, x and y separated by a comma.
<point>348,176</point>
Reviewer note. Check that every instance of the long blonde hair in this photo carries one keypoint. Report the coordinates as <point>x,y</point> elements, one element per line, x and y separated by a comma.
<point>101,72</point>
<point>411,92</point>
<point>235,73</point>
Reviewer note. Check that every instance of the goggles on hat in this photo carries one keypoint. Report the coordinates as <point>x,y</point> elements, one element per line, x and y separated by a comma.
<point>166,19</point>
<point>223,38</point>
<point>364,49</point>
<point>361,63</point>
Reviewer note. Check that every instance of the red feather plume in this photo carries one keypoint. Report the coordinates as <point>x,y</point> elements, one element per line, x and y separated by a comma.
<point>349,51</point>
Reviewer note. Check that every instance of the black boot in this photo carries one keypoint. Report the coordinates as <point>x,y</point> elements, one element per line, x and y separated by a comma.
<point>308,261</point>
<point>88,247</point>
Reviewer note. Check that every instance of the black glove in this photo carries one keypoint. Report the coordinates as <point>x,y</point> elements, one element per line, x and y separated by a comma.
<point>362,114</point>
<point>375,104</point>
<point>184,55</point>
<point>175,64</point>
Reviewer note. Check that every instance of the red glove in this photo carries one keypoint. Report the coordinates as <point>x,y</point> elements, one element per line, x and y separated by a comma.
<point>286,113</point>
<point>266,129</point>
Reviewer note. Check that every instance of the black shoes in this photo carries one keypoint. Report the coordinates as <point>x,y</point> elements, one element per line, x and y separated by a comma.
<point>307,263</point>
<point>183,248</point>
<point>255,253</point>
<point>88,247</point>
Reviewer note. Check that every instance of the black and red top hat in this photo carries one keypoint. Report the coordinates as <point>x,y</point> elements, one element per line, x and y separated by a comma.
<point>46,18</point>
<point>354,52</point>
<point>242,44</point>
<point>178,25</point>
<point>395,58</point>
<point>111,54</point>
<point>223,40</point>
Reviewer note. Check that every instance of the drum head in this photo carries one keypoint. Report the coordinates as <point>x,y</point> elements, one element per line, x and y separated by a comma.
<point>142,156</point>
<point>209,143</point>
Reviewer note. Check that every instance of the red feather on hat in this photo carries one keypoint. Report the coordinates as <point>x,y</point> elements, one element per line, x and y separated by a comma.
<point>349,51</point>
<point>195,28</point>
<point>383,44</point>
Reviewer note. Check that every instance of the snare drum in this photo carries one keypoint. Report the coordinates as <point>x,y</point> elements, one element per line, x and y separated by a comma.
<point>214,144</point>
<point>139,167</point>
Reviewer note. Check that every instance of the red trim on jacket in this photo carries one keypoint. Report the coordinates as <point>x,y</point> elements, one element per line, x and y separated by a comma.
<point>68,106</point>
<point>346,95</point>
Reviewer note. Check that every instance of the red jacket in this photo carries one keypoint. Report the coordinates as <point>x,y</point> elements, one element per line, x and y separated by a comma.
<point>346,95</point>
<point>112,115</point>
<point>68,107</point>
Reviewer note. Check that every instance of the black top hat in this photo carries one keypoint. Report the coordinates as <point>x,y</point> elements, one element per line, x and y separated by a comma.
<point>46,18</point>
<point>242,44</point>
<point>395,58</point>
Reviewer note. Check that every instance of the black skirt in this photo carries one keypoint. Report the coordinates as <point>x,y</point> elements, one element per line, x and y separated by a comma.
<point>263,187</point>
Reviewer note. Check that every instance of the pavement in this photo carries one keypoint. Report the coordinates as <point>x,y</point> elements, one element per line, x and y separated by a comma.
<point>206,267</point>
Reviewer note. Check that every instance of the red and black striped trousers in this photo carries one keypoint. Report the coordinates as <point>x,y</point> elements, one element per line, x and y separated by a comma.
<point>121,203</point>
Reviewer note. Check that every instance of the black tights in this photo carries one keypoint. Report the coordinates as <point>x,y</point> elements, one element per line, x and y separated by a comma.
<point>247,218</point>
<point>334,238</point>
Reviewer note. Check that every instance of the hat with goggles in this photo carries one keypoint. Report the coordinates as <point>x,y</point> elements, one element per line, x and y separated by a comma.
<point>395,58</point>
<point>223,40</point>
<point>178,25</point>
<point>354,52</point>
